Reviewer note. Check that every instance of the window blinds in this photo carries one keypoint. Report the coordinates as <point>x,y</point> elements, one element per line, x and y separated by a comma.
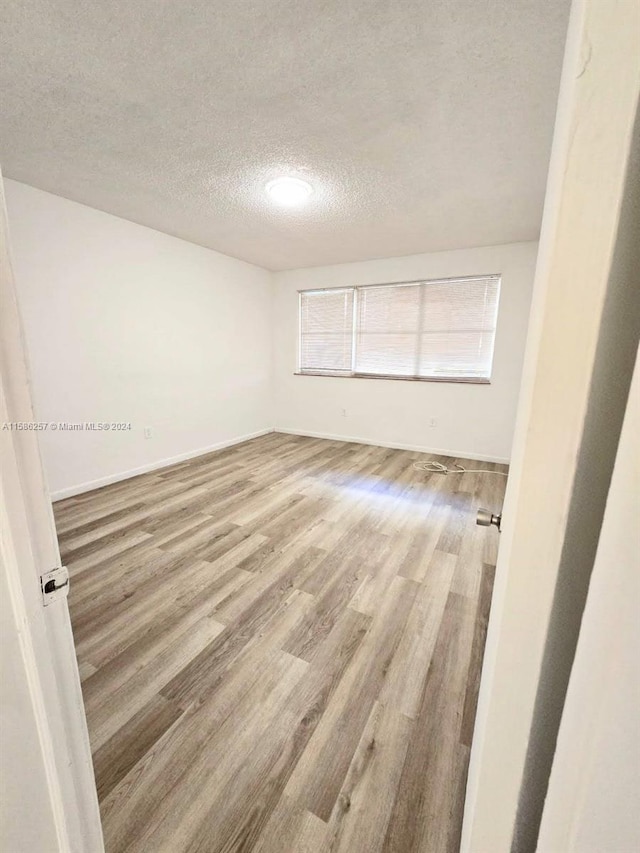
<point>326,330</point>
<point>441,329</point>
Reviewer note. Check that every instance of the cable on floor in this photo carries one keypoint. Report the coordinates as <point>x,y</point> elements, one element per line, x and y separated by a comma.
<point>438,468</point>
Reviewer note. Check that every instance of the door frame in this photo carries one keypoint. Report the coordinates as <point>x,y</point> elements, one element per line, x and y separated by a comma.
<point>563,402</point>
<point>594,786</point>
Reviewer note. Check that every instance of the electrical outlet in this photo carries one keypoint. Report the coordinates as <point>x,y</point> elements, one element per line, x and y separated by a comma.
<point>343,412</point>
<point>148,432</point>
<point>433,422</point>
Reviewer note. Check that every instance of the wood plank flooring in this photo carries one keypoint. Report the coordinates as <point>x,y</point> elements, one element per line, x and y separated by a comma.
<point>280,645</point>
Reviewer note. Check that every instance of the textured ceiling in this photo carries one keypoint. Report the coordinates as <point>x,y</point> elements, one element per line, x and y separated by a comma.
<point>422,124</point>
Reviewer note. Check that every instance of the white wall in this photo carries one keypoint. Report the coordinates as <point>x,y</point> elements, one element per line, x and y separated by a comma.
<point>125,324</point>
<point>475,421</point>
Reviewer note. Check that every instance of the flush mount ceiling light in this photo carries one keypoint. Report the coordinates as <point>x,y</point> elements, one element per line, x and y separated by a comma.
<point>289,192</point>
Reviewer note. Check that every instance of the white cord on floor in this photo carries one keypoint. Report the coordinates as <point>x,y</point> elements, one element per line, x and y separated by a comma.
<point>438,468</point>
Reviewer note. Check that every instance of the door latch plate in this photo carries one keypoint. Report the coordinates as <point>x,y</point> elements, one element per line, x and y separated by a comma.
<point>54,585</point>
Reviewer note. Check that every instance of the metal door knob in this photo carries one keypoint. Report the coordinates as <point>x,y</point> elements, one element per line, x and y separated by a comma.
<point>485,518</point>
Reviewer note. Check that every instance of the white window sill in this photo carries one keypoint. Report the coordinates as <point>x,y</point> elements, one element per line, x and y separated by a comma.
<point>465,380</point>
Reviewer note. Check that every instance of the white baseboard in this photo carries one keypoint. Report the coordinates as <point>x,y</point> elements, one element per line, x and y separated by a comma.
<point>70,491</point>
<point>80,488</point>
<point>458,454</point>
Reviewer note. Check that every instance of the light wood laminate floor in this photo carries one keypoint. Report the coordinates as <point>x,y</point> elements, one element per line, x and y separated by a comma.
<point>280,645</point>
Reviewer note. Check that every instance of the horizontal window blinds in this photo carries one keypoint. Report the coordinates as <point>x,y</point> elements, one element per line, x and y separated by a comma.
<point>387,330</point>
<point>326,330</point>
<point>422,330</point>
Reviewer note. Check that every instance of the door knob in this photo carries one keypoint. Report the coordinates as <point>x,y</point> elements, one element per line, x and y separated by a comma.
<point>485,518</point>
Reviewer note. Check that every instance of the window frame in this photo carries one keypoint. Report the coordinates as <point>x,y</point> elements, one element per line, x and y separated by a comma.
<point>353,374</point>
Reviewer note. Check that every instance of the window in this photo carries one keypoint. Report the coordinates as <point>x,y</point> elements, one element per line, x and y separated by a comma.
<point>439,330</point>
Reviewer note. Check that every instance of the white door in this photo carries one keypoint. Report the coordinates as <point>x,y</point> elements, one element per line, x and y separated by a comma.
<point>49,795</point>
<point>578,366</point>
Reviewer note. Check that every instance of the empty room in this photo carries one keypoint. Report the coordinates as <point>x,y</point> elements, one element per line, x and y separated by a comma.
<point>319,328</point>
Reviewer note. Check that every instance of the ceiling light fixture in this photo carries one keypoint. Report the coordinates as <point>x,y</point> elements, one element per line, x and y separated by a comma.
<point>289,192</point>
